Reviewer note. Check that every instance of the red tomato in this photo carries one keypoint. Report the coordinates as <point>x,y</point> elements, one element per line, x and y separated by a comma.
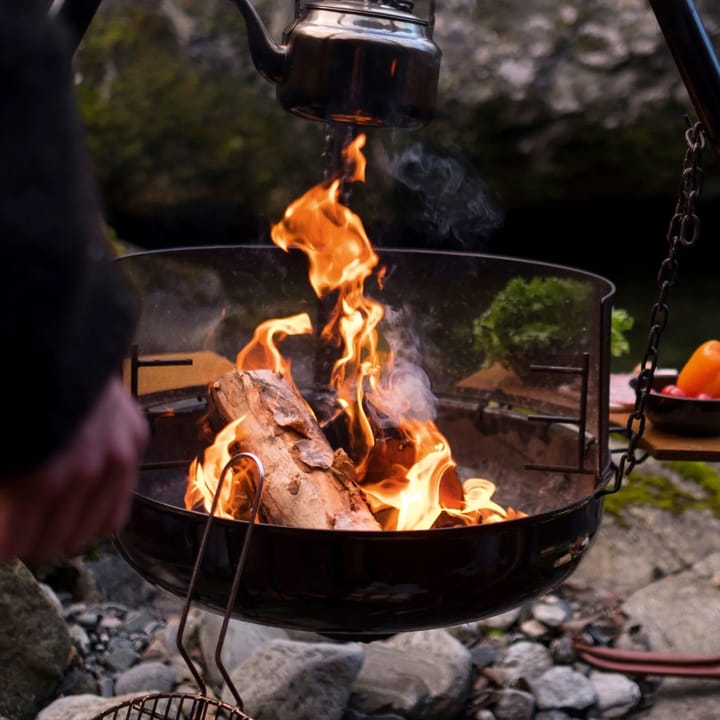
<point>701,373</point>
<point>673,391</point>
<point>704,396</point>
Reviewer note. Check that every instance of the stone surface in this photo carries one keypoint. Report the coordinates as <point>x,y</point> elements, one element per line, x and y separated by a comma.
<point>562,688</point>
<point>666,566</point>
<point>34,643</point>
<point>425,674</point>
<point>681,612</point>
<point>616,694</point>
<point>241,639</point>
<point>151,676</point>
<point>304,681</point>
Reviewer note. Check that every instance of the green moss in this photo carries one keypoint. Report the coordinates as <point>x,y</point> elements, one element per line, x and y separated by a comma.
<point>494,634</point>
<point>659,491</point>
<point>705,476</point>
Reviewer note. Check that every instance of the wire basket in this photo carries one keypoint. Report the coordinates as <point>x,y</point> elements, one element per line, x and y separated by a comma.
<point>173,706</point>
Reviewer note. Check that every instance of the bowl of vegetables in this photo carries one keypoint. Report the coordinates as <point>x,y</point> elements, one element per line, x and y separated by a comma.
<point>688,403</point>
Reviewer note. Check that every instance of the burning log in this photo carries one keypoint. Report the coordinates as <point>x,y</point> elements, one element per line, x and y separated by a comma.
<point>307,484</point>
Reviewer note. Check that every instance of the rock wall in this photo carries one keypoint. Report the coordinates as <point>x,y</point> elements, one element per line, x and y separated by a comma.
<point>561,110</point>
<point>556,92</point>
<point>602,59</point>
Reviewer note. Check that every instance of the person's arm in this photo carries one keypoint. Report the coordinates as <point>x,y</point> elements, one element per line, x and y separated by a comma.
<point>67,315</point>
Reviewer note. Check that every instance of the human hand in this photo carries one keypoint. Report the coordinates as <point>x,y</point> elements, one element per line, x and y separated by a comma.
<point>84,492</point>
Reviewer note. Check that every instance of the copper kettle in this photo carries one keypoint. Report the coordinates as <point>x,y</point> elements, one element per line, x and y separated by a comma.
<point>363,62</point>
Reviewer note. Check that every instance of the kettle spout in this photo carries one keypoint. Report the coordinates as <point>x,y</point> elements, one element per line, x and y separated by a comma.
<point>268,57</point>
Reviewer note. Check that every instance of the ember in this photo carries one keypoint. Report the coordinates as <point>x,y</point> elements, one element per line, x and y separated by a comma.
<point>406,474</point>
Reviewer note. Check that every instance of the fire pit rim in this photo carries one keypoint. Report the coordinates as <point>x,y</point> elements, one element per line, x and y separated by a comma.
<point>534,518</point>
<point>263,247</point>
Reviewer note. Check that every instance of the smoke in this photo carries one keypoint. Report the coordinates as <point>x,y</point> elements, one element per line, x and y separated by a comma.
<point>406,389</point>
<point>456,205</point>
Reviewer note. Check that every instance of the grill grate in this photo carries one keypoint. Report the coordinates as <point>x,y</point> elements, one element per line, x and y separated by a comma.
<point>173,706</point>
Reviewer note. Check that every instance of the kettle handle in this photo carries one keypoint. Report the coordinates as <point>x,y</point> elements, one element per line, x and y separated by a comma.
<point>695,58</point>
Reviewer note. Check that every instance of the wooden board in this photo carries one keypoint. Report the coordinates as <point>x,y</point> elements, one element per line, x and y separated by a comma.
<point>665,446</point>
<point>504,387</point>
<point>204,367</point>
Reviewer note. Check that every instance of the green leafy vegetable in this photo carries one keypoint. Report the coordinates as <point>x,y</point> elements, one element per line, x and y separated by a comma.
<point>529,319</point>
<point>620,322</point>
<point>533,319</point>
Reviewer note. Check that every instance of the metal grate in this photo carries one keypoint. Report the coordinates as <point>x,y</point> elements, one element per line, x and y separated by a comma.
<point>173,706</point>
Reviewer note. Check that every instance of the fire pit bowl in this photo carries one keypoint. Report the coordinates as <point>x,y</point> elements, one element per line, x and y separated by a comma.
<point>365,583</point>
<point>545,448</point>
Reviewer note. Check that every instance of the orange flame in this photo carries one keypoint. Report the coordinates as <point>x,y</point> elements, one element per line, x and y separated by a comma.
<point>262,351</point>
<point>409,479</point>
<point>236,492</point>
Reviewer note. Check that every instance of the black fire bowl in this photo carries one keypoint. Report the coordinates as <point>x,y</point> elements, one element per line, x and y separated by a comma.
<point>367,584</point>
<point>350,583</point>
<point>371,584</point>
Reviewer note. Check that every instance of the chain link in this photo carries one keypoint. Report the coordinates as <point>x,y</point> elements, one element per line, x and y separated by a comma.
<point>683,231</point>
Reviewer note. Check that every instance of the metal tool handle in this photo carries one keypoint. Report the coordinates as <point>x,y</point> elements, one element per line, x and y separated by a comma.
<point>76,16</point>
<point>236,580</point>
<point>695,58</point>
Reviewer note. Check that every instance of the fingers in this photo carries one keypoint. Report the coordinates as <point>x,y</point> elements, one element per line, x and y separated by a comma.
<point>103,494</point>
<point>85,492</point>
<point>101,512</point>
<point>105,506</point>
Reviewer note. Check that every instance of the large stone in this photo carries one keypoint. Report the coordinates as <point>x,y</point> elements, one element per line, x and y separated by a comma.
<point>630,553</point>
<point>424,674</point>
<point>304,681</point>
<point>681,613</point>
<point>240,641</point>
<point>146,705</point>
<point>34,643</point>
<point>640,543</point>
<point>566,92</point>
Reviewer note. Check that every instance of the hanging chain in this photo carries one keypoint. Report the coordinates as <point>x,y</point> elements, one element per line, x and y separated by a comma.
<point>683,231</point>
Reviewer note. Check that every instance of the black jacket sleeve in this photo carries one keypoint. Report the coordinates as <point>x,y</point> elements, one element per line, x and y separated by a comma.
<point>67,315</point>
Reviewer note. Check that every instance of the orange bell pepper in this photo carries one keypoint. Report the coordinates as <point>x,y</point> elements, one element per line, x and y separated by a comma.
<point>701,373</point>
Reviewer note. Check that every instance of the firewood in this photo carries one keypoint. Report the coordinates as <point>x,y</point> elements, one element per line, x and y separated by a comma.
<point>307,483</point>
